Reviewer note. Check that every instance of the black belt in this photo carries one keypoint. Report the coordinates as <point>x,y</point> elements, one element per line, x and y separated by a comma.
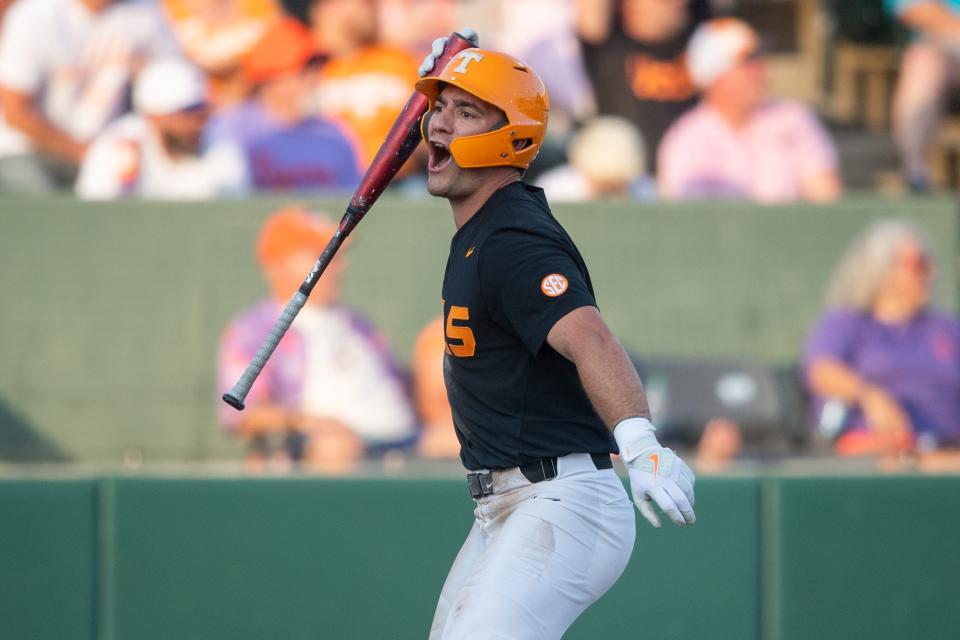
<point>480,483</point>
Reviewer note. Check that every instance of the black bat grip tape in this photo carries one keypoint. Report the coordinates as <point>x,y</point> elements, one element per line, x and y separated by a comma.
<point>238,393</point>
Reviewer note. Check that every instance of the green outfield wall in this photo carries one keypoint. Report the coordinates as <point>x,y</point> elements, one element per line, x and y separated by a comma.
<point>861,558</point>
<point>111,312</point>
<point>774,558</point>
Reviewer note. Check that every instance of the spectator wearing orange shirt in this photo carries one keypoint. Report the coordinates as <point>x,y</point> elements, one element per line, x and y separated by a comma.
<point>364,84</point>
<point>217,34</point>
<point>438,438</point>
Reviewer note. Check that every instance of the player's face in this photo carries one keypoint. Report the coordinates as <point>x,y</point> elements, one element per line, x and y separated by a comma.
<point>455,114</point>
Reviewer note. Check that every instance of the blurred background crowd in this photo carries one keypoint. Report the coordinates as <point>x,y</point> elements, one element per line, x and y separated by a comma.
<point>216,98</point>
<point>768,101</point>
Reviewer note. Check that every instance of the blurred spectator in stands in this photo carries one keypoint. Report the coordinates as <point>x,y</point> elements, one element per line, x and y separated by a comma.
<point>606,161</point>
<point>634,52</point>
<point>157,152</point>
<point>65,67</point>
<point>4,5</point>
<point>331,391</point>
<point>884,369</point>
<point>412,25</point>
<point>719,446</point>
<point>739,143</point>
<point>287,149</point>
<point>217,34</point>
<point>930,65</point>
<point>363,84</point>
<point>438,439</point>
<point>543,34</point>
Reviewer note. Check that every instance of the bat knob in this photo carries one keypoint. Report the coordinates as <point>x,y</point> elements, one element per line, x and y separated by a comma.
<point>233,401</point>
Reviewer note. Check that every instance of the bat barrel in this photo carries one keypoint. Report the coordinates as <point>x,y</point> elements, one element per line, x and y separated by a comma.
<point>403,138</point>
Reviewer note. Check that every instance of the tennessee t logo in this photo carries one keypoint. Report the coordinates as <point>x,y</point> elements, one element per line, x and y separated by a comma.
<point>655,459</point>
<point>466,58</point>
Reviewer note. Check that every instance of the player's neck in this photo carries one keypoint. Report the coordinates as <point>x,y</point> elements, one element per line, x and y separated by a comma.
<point>465,207</point>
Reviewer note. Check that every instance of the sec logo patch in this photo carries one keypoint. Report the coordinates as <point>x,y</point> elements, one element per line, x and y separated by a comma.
<point>554,285</point>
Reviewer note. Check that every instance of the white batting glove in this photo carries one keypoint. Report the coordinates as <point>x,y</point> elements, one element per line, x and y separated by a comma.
<point>657,474</point>
<point>437,49</point>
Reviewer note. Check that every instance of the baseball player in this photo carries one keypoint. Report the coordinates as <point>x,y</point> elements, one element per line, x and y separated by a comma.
<point>541,391</point>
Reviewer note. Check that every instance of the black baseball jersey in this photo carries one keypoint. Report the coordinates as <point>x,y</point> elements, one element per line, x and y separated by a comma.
<point>512,273</point>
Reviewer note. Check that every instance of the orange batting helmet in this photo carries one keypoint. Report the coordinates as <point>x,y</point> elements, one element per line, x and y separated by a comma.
<point>507,84</point>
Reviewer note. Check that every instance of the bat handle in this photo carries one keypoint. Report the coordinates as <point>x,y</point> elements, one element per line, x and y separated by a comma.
<point>238,393</point>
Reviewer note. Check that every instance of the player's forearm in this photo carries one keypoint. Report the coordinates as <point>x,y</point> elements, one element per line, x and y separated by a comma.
<point>612,383</point>
<point>606,372</point>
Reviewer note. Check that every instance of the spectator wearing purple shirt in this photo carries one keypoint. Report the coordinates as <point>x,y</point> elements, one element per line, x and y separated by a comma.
<point>883,368</point>
<point>286,149</point>
<point>332,391</point>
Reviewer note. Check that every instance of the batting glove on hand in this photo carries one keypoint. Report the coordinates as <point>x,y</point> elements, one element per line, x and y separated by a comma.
<point>657,474</point>
<point>437,49</point>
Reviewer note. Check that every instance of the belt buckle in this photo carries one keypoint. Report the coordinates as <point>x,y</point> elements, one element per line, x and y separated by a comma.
<point>480,484</point>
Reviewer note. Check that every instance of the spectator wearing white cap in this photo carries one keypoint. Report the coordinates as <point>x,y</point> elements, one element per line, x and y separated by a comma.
<point>158,152</point>
<point>65,69</point>
<point>737,142</point>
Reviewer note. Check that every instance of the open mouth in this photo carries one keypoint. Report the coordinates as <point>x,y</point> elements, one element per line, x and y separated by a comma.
<point>439,157</point>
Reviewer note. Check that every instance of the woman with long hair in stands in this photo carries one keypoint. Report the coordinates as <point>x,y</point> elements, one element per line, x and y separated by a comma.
<point>883,367</point>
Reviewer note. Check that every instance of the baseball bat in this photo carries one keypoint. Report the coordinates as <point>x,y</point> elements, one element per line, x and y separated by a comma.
<point>403,138</point>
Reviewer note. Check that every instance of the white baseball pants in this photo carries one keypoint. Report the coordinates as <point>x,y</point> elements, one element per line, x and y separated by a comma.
<point>538,555</point>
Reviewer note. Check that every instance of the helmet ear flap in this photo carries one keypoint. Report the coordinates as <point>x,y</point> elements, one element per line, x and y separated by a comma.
<point>425,125</point>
